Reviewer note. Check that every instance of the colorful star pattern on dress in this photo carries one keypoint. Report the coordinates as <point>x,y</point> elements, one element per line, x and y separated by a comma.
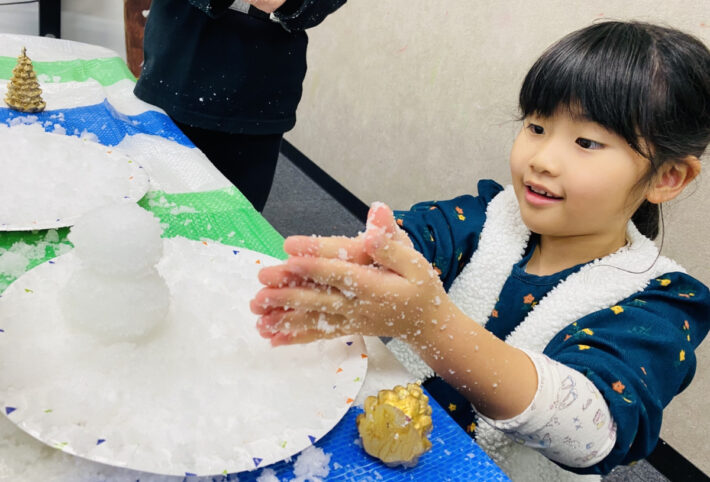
<point>460,213</point>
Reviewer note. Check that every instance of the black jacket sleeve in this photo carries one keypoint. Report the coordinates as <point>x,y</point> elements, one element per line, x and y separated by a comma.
<point>297,15</point>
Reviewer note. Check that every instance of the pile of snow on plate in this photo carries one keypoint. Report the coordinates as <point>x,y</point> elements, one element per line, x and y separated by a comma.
<point>117,293</point>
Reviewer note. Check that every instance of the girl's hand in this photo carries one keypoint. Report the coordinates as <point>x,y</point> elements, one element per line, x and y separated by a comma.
<point>348,249</point>
<point>317,295</point>
<point>324,296</point>
<point>334,247</point>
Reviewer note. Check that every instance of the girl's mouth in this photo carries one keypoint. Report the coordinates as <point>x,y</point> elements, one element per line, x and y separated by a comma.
<point>542,192</point>
<point>538,196</point>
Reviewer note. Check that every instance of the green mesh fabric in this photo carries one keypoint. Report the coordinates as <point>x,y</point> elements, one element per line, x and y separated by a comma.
<point>31,239</point>
<point>223,215</point>
<point>106,71</point>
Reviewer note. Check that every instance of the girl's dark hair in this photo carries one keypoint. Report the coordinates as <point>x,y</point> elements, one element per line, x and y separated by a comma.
<point>648,84</point>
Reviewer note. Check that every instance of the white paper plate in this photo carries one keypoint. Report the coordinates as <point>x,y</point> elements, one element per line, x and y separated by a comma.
<point>49,180</point>
<point>207,395</point>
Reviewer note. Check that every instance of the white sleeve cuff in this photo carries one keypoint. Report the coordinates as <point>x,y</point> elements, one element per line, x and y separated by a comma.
<point>568,420</point>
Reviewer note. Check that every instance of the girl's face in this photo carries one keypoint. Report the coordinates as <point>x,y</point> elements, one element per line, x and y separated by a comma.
<point>572,177</point>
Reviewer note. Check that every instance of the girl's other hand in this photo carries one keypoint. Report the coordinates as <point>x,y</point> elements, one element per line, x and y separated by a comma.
<point>332,247</point>
<point>348,249</point>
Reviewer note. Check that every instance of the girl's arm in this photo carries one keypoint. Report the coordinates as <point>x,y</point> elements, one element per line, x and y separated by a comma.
<point>318,294</point>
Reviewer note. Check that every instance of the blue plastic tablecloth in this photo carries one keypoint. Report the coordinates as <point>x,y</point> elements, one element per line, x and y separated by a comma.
<point>454,456</point>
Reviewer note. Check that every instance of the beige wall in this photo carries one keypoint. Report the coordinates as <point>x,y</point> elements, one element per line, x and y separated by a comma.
<point>99,23</point>
<point>88,21</point>
<point>409,100</point>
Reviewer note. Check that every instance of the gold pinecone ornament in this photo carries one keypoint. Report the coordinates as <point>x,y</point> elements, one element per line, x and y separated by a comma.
<point>395,425</point>
<point>23,92</point>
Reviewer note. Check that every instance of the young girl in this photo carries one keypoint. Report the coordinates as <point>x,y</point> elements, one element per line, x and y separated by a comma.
<point>544,303</point>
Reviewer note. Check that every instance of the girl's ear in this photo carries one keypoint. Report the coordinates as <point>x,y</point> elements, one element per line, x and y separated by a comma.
<point>672,179</point>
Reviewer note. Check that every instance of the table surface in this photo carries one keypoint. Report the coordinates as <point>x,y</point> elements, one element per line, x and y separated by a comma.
<point>89,91</point>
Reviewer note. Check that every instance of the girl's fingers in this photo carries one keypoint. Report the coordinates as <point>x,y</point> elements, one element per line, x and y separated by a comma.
<point>290,321</point>
<point>307,336</point>
<point>287,327</point>
<point>279,339</point>
<point>353,281</point>
<point>335,247</point>
<point>381,218</point>
<point>398,257</point>
<point>279,277</point>
<point>268,323</point>
<point>308,299</point>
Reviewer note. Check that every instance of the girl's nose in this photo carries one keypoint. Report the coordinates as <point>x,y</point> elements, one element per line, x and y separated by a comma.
<point>546,160</point>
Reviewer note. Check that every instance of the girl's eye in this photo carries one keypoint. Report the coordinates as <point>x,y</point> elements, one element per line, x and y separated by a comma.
<point>588,143</point>
<point>536,129</point>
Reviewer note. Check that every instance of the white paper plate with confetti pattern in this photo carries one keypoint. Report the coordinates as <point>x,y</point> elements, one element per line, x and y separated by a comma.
<point>204,395</point>
<point>48,180</point>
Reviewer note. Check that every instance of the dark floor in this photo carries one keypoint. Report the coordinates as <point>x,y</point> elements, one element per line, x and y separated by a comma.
<point>297,205</point>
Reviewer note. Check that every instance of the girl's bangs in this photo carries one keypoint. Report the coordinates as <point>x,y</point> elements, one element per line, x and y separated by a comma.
<point>594,75</point>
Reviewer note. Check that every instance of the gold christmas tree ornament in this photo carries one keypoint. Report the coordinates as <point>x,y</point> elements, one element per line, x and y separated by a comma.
<point>23,92</point>
<point>395,425</point>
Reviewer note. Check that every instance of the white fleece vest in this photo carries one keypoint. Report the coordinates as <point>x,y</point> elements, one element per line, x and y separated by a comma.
<point>596,286</point>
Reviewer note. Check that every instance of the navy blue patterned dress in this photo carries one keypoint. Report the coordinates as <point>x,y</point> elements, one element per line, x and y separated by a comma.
<point>639,353</point>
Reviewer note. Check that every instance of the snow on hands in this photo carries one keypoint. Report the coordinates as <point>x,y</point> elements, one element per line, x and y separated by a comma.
<point>374,284</point>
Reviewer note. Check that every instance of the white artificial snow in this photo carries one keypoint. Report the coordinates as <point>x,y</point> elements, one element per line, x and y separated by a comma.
<point>23,120</point>
<point>118,239</point>
<point>48,177</point>
<point>86,135</point>
<point>324,326</point>
<point>12,264</point>
<point>26,459</point>
<point>117,293</point>
<point>177,168</point>
<point>204,393</point>
<point>14,261</point>
<point>267,475</point>
<point>182,210</point>
<point>114,308</point>
<point>311,465</point>
<point>52,236</point>
<point>161,202</point>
